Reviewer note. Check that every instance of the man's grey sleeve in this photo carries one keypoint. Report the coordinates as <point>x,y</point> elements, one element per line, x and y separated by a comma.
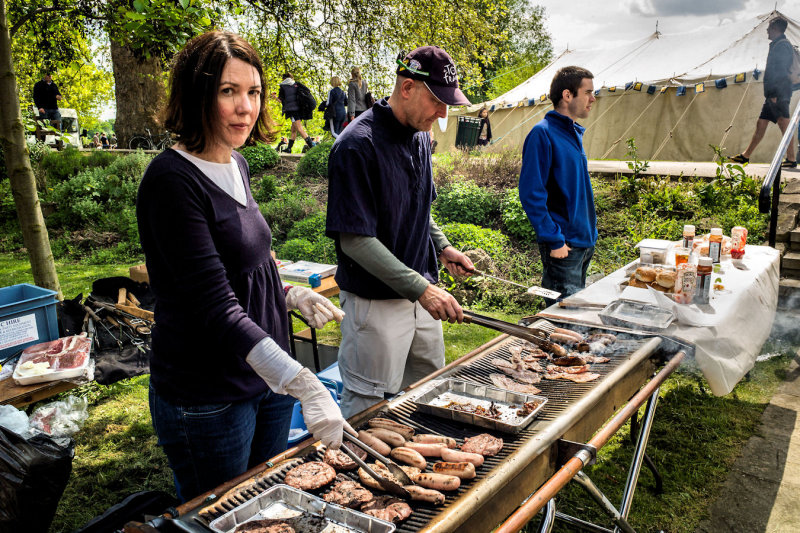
<point>376,259</point>
<point>440,242</point>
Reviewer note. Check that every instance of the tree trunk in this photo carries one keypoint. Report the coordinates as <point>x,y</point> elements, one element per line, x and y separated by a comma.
<point>20,173</point>
<point>140,94</point>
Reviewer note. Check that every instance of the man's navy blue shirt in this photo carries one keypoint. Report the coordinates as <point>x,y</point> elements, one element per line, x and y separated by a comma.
<point>381,185</point>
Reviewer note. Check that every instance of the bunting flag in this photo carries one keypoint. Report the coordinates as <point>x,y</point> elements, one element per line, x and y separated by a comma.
<point>612,89</point>
<point>521,103</point>
<point>543,98</point>
<point>740,78</point>
<point>628,85</point>
<point>663,89</point>
<point>532,101</point>
<point>651,89</point>
<point>637,86</point>
<point>756,74</point>
<point>491,108</point>
<point>681,90</point>
<point>596,92</point>
<point>721,83</point>
<point>700,88</point>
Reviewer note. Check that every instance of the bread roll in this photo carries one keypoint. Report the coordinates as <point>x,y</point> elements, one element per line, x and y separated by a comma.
<point>633,282</point>
<point>646,274</point>
<point>666,279</point>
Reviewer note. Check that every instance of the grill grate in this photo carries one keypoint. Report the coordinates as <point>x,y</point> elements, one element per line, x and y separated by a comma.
<point>559,393</point>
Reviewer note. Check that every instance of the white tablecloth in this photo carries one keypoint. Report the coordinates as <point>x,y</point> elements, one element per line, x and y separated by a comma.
<point>727,333</point>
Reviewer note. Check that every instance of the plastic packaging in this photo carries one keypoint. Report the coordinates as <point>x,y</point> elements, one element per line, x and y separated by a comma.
<point>738,241</point>
<point>682,255</point>
<point>704,271</point>
<point>62,418</point>
<point>685,283</point>
<point>715,245</point>
<point>14,419</point>
<point>688,236</point>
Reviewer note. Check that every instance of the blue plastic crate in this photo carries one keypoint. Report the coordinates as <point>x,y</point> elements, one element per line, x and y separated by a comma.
<point>27,316</point>
<point>332,374</point>
<point>297,429</point>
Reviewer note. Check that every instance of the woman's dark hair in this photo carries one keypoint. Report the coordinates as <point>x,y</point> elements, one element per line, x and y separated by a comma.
<point>286,75</point>
<point>196,72</point>
<point>567,78</point>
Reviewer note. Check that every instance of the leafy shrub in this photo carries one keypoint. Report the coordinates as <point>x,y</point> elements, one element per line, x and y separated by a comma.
<point>265,189</point>
<point>497,171</point>
<point>515,220</point>
<point>470,237</point>
<point>310,228</point>
<point>320,251</point>
<point>465,201</point>
<point>290,204</point>
<point>37,151</point>
<point>8,210</point>
<point>99,158</point>
<point>315,163</point>
<point>59,166</point>
<point>260,157</point>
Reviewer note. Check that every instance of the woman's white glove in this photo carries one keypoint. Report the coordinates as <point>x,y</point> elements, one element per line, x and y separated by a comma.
<point>321,414</point>
<point>315,308</point>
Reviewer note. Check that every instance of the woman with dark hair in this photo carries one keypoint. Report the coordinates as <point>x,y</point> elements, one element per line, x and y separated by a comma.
<point>221,374</point>
<point>485,132</point>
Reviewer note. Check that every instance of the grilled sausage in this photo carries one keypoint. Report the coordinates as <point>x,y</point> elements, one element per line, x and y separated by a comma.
<point>457,456</point>
<point>437,481</point>
<point>556,349</point>
<point>464,470</point>
<point>563,339</point>
<point>374,443</point>
<point>388,436</point>
<point>406,431</point>
<point>574,334</point>
<point>427,449</point>
<point>428,438</point>
<point>425,495</point>
<point>409,457</point>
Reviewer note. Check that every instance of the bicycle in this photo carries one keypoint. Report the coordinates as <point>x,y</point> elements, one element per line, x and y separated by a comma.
<point>148,142</point>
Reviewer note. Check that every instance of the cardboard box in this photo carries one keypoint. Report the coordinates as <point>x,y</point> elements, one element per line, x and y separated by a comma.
<point>138,273</point>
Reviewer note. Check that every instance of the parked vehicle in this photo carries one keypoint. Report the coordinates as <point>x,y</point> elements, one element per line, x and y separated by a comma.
<point>70,131</point>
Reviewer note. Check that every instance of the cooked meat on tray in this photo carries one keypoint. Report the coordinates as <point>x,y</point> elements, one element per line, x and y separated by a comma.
<point>304,522</point>
<point>517,372</point>
<point>467,407</point>
<point>310,476</point>
<point>505,382</point>
<point>483,444</point>
<point>347,493</point>
<point>528,408</point>
<point>340,460</point>
<point>584,377</point>
<point>387,508</point>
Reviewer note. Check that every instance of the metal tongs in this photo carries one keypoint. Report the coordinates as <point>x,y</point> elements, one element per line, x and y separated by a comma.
<point>386,484</point>
<point>537,336</point>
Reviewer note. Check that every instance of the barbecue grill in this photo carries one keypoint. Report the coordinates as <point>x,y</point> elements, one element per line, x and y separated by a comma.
<point>528,459</point>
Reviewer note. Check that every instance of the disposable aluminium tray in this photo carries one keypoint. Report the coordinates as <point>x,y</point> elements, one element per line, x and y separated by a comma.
<point>636,315</point>
<point>283,501</point>
<point>439,400</point>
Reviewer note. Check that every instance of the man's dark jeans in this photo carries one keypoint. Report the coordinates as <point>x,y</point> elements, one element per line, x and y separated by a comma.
<point>53,115</point>
<point>567,275</point>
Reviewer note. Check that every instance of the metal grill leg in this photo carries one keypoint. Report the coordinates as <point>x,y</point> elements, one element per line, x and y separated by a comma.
<point>548,518</point>
<point>659,488</point>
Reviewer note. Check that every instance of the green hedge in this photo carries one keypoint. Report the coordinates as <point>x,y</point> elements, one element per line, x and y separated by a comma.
<point>315,163</point>
<point>515,221</point>
<point>470,237</point>
<point>260,157</point>
<point>465,201</point>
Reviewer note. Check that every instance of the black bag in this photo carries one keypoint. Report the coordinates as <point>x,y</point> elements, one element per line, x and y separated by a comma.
<point>33,475</point>
<point>369,99</point>
<point>305,102</point>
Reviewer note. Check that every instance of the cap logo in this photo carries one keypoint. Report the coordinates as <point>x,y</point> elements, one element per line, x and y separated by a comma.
<point>414,66</point>
<point>450,75</point>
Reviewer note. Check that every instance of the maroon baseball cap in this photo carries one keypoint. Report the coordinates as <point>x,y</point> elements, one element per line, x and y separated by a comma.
<point>434,67</point>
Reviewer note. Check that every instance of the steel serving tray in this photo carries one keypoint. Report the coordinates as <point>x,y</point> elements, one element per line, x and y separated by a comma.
<point>436,400</point>
<point>283,501</point>
<point>636,315</point>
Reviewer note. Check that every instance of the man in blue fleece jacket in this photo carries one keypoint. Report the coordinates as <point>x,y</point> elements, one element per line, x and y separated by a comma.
<point>554,184</point>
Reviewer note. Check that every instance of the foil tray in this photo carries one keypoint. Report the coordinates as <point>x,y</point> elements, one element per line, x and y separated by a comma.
<point>436,400</point>
<point>283,501</point>
<point>636,315</point>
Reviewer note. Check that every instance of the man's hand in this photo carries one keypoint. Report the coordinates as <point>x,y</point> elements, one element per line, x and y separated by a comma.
<point>774,99</point>
<point>58,97</point>
<point>455,262</point>
<point>441,304</point>
<point>41,110</point>
<point>560,253</point>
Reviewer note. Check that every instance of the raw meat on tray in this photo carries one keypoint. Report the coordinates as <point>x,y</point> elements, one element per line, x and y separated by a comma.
<point>61,354</point>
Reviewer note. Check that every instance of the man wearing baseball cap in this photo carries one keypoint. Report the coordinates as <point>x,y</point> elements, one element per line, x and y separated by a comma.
<point>387,244</point>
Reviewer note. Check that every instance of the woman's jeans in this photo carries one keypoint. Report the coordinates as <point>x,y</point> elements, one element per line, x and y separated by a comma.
<point>207,445</point>
<point>567,275</point>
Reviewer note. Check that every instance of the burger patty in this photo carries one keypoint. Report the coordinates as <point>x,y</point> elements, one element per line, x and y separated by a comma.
<point>310,476</point>
<point>347,493</point>
<point>340,460</point>
<point>483,444</point>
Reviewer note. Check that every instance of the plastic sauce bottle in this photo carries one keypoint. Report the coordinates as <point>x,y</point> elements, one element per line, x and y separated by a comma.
<point>738,241</point>
<point>688,236</point>
<point>715,245</point>
<point>685,283</point>
<point>704,268</point>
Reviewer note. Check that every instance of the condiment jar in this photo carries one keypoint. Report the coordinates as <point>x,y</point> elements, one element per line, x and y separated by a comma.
<point>688,236</point>
<point>738,241</point>
<point>715,245</point>
<point>685,283</point>
<point>704,268</point>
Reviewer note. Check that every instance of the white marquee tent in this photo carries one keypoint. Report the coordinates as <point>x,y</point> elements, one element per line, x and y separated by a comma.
<point>666,124</point>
